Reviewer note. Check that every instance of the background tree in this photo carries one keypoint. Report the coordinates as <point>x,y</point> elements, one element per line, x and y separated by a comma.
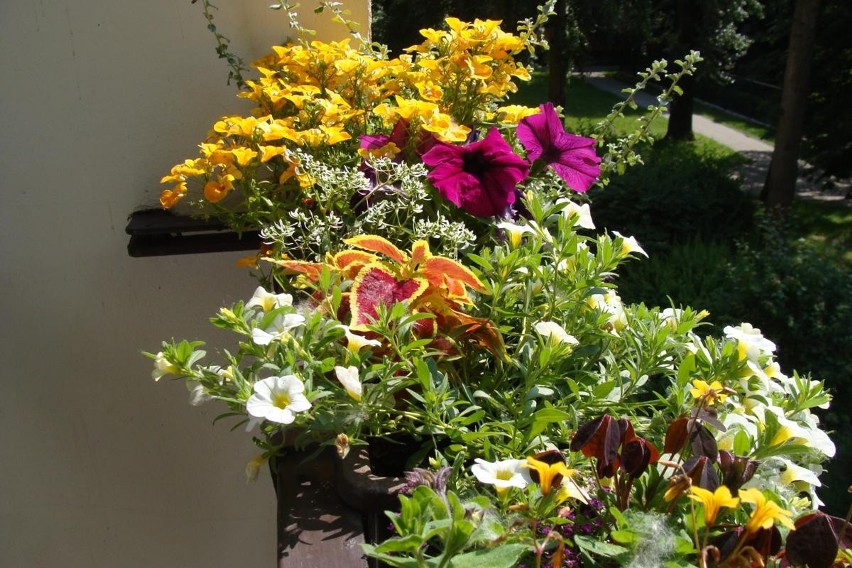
<point>634,31</point>
<point>780,184</point>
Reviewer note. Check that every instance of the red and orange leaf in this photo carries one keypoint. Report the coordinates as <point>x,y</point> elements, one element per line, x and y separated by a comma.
<point>350,262</point>
<point>377,286</point>
<point>420,252</point>
<point>442,266</point>
<point>480,331</point>
<point>380,245</point>
<point>310,269</point>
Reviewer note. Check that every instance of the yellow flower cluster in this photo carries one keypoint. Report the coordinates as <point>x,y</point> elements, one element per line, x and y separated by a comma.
<point>315,96</point>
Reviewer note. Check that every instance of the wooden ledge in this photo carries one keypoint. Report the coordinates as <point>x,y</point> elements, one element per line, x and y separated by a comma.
<point>156,232</point>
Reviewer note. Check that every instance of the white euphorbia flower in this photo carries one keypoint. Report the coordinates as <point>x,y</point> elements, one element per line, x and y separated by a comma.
<point>502,474</point>
<point>583,213</point>
<point>750,341</point>
<point>268,301</point>
<point>555,332</point>
<point>348,377</point>
<point>163,367</point>
<point>281,325</point>
<point>278,399</point>
<point>630,245</point>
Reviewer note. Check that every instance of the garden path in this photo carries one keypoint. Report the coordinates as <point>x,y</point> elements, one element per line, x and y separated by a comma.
<point>758,152</point>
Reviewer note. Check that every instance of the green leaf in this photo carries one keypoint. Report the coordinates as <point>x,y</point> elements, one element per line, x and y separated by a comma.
<point>599,548</point>
<point>624,537</point>
<point>603,389</point>
<point>410,543</point>
<point>501,556</point>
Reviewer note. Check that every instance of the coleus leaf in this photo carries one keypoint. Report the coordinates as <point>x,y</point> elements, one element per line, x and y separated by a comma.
<point>380,245</point>
<point>377,285</point>
<point>350,262</point>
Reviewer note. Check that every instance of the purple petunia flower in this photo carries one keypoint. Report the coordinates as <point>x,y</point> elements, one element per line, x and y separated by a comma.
<point>479,177</point>
<point>572,157</point>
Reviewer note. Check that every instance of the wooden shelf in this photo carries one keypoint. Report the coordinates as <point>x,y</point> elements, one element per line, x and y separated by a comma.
<point>156,232</point>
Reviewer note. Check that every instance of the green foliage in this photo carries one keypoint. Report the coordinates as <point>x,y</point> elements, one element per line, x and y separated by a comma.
<point>684,192</point>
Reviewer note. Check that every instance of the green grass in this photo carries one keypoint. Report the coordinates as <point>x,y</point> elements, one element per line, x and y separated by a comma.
<point>826,224</point>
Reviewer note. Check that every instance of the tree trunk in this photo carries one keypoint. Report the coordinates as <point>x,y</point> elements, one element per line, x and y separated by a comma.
<point>780,186</point>
<point>680,111</point>
<point>689,29</point>
<point>557,65</point>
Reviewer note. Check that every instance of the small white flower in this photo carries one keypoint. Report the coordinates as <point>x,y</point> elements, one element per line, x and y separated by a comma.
<point>502,474</point>
<point>610,303</point>
<point>630,245</point>
<point>750,341</point>
<point>268,301</point>
<point>515,232</point>
<point>793,473</point>
<point>555,332</point>
<point>348,377</point>
<point>163,367</point>
<point>582,213</point>
<point>355,342</point>
<point>278,399</point>
<point>281,325</point>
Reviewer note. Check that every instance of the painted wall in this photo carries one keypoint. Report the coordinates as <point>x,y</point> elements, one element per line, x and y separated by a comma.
<point>100,466</point>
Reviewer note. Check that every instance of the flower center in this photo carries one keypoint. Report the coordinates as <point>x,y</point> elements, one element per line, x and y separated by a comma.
<point>281,400</point>
<point>474,163</point>
<point>504,475</point>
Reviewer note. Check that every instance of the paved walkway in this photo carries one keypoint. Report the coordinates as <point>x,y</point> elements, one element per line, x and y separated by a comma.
<point>758,152</point>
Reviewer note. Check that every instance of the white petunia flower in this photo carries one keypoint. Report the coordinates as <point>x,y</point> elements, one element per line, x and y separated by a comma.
<point>278,399</point>
<point>808,434</point>
<point>630,245</point>
<point>348,377</point>
<point>555,332</point>
<point>611,304</point>
<point>502,474</point>
<point>281,325</point>
<point>355,342</point>
<point>582,212</point>
<point>268,301</point>
<point>793,473</point>
<point>750,341</point>
<point>163,367</point>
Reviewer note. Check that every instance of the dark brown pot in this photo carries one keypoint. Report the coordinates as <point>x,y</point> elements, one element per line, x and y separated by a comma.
<point>328,507</point>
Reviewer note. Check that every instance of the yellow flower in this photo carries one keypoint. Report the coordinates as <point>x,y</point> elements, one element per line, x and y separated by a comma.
<point>244,156</point>
<point>549,474</point>
<point>512,114</point>
<point>765,512</point>
<point>712,392</point>
<point>713,501</point>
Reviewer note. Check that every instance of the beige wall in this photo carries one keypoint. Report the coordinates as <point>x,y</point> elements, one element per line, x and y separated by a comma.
<point>99,466</point>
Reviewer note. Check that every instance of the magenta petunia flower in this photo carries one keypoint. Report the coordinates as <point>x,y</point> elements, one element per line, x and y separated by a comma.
<point>572,157</point>
<point>479,177</point>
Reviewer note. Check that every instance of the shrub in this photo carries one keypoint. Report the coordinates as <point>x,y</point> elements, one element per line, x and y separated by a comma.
<point>684,192</point>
